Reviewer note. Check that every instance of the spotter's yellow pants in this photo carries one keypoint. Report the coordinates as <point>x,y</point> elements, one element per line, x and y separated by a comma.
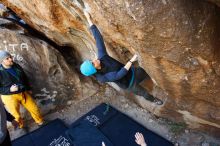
<point>12,103</point>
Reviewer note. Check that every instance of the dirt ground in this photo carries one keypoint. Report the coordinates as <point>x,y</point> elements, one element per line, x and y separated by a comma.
<point>177,133</point>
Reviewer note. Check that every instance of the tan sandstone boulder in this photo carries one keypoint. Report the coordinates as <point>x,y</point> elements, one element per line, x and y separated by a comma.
<point>177,42</point>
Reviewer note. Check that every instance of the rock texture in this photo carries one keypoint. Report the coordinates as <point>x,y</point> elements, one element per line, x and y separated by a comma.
<point>217,2</point>
<point>177,42</point>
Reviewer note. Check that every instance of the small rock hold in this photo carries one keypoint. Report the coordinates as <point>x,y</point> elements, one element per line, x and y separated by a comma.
<point>186,131</point>
<point>69,102</point>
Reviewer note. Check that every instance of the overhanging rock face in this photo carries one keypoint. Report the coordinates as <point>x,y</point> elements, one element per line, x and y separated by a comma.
<point>177,41</point>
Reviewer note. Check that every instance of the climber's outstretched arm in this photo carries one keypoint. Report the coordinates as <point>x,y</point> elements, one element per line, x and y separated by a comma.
<point>97,36</point>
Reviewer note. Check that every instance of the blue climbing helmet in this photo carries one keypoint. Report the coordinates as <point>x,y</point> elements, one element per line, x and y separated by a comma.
<point>87,68</point>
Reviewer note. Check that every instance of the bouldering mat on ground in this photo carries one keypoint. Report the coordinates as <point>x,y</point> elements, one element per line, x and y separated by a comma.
<point>50,134</point>
<point>85,134</point>
<point>103,123</point>
<point>119,128</point>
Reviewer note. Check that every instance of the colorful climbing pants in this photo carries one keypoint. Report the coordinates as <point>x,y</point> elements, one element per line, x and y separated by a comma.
<point>13,102</point>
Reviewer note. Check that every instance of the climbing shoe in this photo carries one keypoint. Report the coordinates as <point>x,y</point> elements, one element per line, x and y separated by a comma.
<point>43,123</point>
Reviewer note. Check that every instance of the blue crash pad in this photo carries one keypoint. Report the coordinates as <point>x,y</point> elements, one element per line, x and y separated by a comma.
<point>50,134</point>
<point>103,123</point>
<point>85,134</point>
<point>118,128</point>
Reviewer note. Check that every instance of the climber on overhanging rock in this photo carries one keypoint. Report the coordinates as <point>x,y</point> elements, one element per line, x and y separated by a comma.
<point>15,89</point>
<point>107,69</point>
